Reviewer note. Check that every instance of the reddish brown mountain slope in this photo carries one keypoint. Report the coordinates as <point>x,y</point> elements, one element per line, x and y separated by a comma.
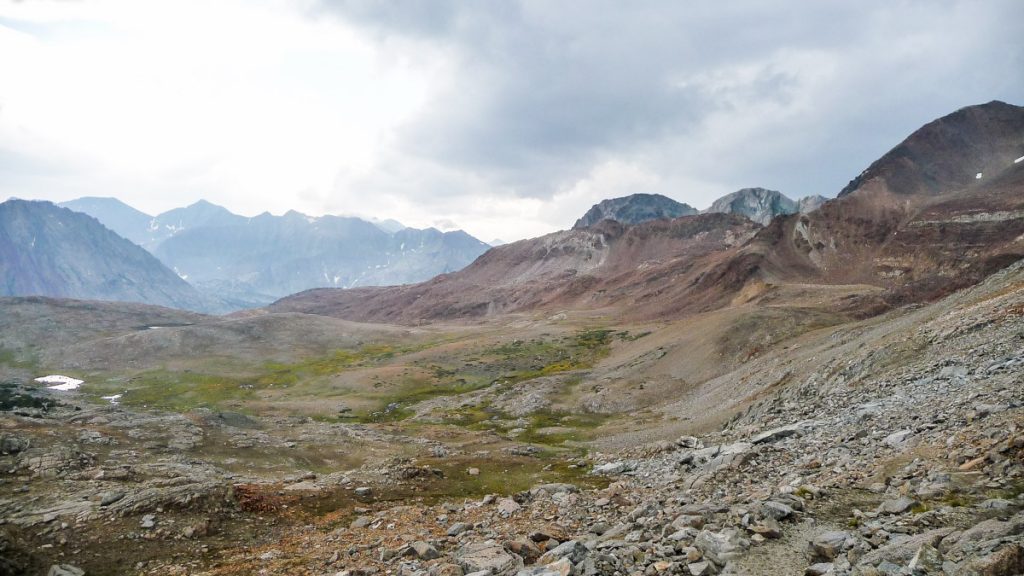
<point>918,223</point>
<point>645,267</point>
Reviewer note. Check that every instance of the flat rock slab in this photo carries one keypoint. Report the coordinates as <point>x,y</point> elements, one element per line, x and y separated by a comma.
<point>488,557</point>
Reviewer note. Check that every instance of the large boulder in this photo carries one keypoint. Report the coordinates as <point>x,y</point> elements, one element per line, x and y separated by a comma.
<point>488,556</point>
<point>721,547</point>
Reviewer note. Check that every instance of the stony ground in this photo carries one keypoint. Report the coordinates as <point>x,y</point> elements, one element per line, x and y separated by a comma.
<point>899,454</point>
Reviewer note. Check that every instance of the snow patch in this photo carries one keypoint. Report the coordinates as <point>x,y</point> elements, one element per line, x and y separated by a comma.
<point>61,383</point>
<point>115,399</point>
<point>1019,160</point>
<point>977,176</point>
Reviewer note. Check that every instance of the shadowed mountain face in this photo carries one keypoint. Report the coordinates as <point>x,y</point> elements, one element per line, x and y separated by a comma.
<point>50,251</point>
<point>918,224</point>
<point>252,261</point>
<point>634,209</point>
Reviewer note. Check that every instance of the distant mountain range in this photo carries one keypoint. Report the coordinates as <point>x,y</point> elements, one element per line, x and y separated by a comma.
<point>267,257</point>
<point>253,261</point>
<point>46,250</point>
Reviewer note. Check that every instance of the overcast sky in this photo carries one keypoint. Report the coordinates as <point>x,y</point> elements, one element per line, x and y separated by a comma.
<point>508,119</point>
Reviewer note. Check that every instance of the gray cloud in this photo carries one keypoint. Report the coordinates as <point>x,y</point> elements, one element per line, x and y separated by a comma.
<point>546,90</point>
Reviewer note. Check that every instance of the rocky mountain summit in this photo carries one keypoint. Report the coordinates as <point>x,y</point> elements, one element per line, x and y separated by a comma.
<point>634,209</point>
<point>762,206</point>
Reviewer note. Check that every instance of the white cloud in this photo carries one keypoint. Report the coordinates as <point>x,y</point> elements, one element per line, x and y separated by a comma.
<point>162,103</point>
<point>507,118</point>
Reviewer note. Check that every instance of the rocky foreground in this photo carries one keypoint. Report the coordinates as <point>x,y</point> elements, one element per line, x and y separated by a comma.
<point>905,457</point>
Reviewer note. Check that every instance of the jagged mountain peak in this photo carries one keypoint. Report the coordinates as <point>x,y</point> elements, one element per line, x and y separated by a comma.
<point>762,205</point>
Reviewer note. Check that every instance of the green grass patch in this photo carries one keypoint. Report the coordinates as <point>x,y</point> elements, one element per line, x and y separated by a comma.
<point>14,359</point>
<point>526,360</point>
<point>955,500</point>
<point>338,361</point>
<point>920,508</point>
<point>397,405</point>
<point>509,475</point>
<point>555,427</point>
<point>183,391</point>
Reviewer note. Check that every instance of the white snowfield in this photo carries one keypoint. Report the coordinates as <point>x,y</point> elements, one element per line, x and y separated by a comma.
<point>1021,159</point>
<point>58,382</point>
<point>115,399</point>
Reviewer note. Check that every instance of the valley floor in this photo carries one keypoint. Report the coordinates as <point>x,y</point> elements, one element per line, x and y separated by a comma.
<point>756,441</point>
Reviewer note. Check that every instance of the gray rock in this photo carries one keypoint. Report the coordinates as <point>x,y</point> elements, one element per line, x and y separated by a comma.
<point>13,444</point>
<point>927,560</point>
<point>561,567</point>
<point>446,570</point>
<point>777,433</point>
<point>361,522</point>
<point>1004,560</point>
<point>108,498</point>
<point>898,438</point>
<point>820,569</point>
<point>898,506</point>
<point>611,469</point>
<point>148,521</point>
<point>688,521</point>
<point>702,568</point>
<point>551,489</point>
<point>689,442</point>
<point>827,546</point>
<point>487,557</point>
<point>901,549</point>
<point>777,510</point>
<point>769,528</point>
<point>65,570</point>
<point>995,504</point>
<point>458,528</point>
<point>721,547</point>
<point>424,551</point>
<point>572,550</point>
<point>507,507</point>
